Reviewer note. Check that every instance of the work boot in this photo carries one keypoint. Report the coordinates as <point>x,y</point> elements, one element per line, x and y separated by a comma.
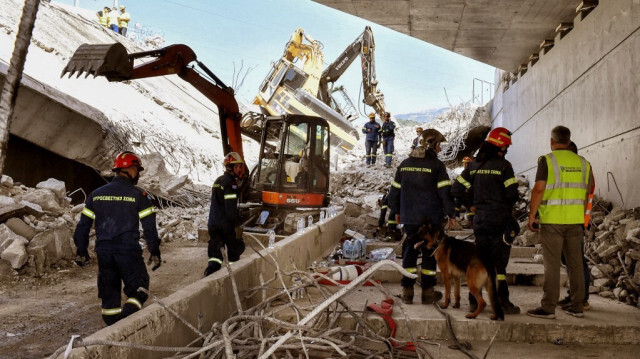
<point>407,295</point>
<point>510,308</point>
<point>503,299</point>
<point>212,267</point>
<point>430,295</point>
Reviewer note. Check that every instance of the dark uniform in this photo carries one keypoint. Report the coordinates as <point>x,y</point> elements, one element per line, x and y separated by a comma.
<point>223,219</point>
<point>420,193</point>
<point>391,232</point>
<point>372,131</point>
<point>388,135</point>
<point>493,189</point>
<point>117,208</point>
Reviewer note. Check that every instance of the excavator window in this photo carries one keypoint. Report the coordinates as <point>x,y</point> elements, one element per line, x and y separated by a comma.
<point>297,146</point>
<point>294,78</point>
<point>269,164</point>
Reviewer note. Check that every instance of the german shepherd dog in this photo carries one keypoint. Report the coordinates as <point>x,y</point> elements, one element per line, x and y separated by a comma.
<point>457,258</point>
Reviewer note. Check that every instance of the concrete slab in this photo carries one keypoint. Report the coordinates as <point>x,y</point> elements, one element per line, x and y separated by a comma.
<point>607,322</point>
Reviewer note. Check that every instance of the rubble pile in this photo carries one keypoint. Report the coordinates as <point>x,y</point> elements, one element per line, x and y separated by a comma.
<point>37,224</point>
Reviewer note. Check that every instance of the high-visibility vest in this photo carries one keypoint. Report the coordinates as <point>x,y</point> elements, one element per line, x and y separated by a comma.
<point>102,20</point>
<point>124,19</point>
<point>563,200</point>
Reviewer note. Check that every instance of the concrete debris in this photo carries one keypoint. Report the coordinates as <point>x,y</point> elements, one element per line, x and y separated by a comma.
<point>39,223</point>
<point>6,181</point>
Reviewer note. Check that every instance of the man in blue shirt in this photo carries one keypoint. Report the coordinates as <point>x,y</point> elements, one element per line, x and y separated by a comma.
<point>372,131</point>
<point>388,134</point>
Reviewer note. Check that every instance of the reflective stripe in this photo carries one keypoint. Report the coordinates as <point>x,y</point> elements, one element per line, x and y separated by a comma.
<point>411,270</point>
<point>501,277</point>
<point>213,259</point>
<point>389,155</point>
<point>562,202</point>
<point>89,213</point>
<point>510,181</point>
<point>392,222</point>
<point>230,196</point>
<point>463,182</point>
<point>428,272</point>
<point>146,212</point>
<point>135,302</point>
<point>567,185</point>
<point>113,311</point>
<point>396,184</point>
<point>383,207</point>
<point>444,183</point>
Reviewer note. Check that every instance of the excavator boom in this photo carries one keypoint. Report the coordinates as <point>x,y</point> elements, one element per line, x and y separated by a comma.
<point>113,62</point>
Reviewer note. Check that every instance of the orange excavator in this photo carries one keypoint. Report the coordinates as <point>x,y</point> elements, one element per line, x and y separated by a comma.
<point>293,166</point>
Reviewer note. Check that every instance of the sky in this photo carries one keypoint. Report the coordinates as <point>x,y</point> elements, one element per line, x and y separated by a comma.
<point>228,34</point>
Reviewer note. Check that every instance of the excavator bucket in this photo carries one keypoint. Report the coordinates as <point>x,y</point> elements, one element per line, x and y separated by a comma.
<point>109,60</point>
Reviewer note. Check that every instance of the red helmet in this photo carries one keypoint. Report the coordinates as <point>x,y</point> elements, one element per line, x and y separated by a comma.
<point>127,159</point>
<point>467,159</point>
<point>499,136</point>
<point>232,158</point>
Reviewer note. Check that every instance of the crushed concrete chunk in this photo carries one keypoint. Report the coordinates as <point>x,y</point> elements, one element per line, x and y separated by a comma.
<point>55,186</point>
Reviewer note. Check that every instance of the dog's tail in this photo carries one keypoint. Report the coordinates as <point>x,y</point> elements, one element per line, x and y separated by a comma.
<point>498,313</point>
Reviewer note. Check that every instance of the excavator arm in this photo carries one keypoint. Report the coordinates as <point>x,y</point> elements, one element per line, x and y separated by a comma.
<point>363,46</point>
<point>113,62</point>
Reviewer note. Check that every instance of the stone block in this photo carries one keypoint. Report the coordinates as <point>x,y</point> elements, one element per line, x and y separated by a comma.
<point>50,246</point>
<point>7,236</point>
<point>6,181</point>
<point>609,251</point>
<point>55,186</point>
<point>20,228</point>
<point>176,183</point>
<point>45,199</point>
<point>601,282</point>
<point>16,254</point>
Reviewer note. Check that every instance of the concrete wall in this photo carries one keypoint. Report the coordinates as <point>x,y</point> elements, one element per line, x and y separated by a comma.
<point>590,82</point>
<point>211,297</point>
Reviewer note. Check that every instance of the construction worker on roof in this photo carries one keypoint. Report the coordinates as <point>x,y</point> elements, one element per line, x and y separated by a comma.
<point>387,133</point>
<point>112,17</point>
<point>123,21</point>
<point>372,131</point>
<point>224,224</point>
<point>102,18</point>
<point>414,144</point>
<point>420,195</point>
<point>489,185</point>
<point>117,210</point>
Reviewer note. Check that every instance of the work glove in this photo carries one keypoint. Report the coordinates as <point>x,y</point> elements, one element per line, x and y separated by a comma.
<point>156,261</point>
<point>82,259</point>
<point>239,232</point>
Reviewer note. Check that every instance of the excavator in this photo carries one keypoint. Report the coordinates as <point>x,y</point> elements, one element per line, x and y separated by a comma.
<point>293,165</point>
<point>297,84</point>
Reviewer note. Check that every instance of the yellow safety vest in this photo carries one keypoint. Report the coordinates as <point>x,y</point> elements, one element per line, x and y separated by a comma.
<point>102,20</point>
<point>124,19</point>
<point>564,196</point>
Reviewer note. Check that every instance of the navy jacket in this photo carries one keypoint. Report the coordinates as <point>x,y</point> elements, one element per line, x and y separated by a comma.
<point>372,130</point>
<point>117,209</point>
<point>224,202</point>
<point>420,191</point>
<point>491,186</point>
<point>388,129</point>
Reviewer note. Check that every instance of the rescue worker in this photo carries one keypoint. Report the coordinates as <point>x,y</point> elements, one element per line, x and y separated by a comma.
<point>372,131</point>
<point>112,18</point>
<point>102,18</point>
<point>414,144</point>
<point>387,228</point>
<point>116,209</point>
<point>490,185</point>
<point>387,133</point>
<point>565,303</point>
<point>460,204</point>
<point>123,21</point>
<point>559,196</point>
<point>224,224</point>
<point>420,195</point>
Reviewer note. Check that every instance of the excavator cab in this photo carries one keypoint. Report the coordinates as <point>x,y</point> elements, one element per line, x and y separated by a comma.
<point>293,167</point>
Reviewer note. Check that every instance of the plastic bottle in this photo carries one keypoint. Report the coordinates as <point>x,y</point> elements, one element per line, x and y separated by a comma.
<point>309,221</point>
<point>380,253</point>
<point>300,225</point>
<point>322,215</point>
<point>272,238</point>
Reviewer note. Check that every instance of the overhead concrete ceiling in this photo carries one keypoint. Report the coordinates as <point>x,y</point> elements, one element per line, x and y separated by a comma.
<point>500,33</point>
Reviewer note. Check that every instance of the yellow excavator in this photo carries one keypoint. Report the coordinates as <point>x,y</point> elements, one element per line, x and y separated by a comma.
<point>298,84</point>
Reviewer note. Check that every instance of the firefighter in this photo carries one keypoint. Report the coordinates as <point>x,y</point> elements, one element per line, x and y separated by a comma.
<point>490,185</point>
<point>372,131</point>
<point>461,206</point>
<point>388,134</point>
<point>387,228</point>
<point>116,209</point>
<point>224,226</point>
<point>414,144</point>
<point>420,194</point>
